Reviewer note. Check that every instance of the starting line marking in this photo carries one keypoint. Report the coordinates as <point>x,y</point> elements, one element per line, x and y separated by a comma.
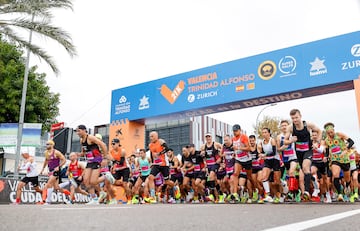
<point>86,208</point>
<point>314,222</point>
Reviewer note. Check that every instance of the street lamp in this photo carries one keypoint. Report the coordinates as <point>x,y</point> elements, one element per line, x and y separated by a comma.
<point>22,106</point>
<point>257,117</point>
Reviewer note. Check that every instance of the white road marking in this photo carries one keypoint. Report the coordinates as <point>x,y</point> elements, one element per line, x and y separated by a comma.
<point>314,222</point>
<point>86,208</point>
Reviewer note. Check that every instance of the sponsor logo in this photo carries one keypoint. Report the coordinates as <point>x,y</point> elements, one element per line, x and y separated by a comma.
<point>250,86</point>
<point>122,99</point>
<point>172,95</point>
<point>267,70</point>
<point>123,106</point>
<point>318,67</point>
<point>355,51</point>
<point>191,98</point>
<point>287,66</point>
<point>144,103</point>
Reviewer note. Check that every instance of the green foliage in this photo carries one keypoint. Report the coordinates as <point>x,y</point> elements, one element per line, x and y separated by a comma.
<point>29,15</point>
<point>41,104</point>
<point>268,122</point>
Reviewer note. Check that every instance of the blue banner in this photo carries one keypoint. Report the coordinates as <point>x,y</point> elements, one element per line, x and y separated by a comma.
<point>310,65</point>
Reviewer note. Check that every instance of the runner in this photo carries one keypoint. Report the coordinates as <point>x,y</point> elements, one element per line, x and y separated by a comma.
<point>289,158</point>
<point>338,152</point>
<point>75,175</point>
<point>210,150</point>
<point>175,176</point>
<point>299,133</point>
<point>54,160</point>
<point>120,169</point>
<point>158,148</point>
<point>318,168</point>
<point>187,169</point>
<point>257,166</point>
<point>32,176</point>
<point>199,179</point>
<point>243,158</point>
<point>90,148</point>
<point>267,151</point>
<point>143,163</point>
<point>354,172</point>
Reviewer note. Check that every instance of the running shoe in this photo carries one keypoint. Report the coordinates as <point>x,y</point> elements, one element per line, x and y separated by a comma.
<point>171,201</point>
<point>189,196</point>
<point>236,197</point>
<point>276,200</point>
<point>93,201</point>
<point>356,196</point>
<point>328,198</point>
<point>346,198</point>
<point>316,192</point>
<point>298,196</point>
<point>261,200</point>
<point>315,199</point>
<point>249,201</point>
<point>210,198</point>
<point>306,196</point>
<point>102,195</point>
<point>340,198</point>
<point>255,196</point>
<point>110,177</point>
<point>152,200</point>
<point>243,200</point>
<point>177,192</point>
<point>268,198</point>
<point>221,199</point>
<point>352,199</point>
<point>113,201</point>
<point>135,200</point>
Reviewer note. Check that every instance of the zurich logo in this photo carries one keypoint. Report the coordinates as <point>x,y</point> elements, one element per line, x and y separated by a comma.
<point>355,50</point>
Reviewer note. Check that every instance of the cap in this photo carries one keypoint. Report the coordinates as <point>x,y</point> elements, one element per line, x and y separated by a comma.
<point>236,127</point>
<point>99,136</point>
<point>115,140</point>
<point>208,134</point>
<point>82,127</point>
<point>190,145</point>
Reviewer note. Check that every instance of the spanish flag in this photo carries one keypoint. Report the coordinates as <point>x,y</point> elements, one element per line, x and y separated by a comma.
<point>240,88</point>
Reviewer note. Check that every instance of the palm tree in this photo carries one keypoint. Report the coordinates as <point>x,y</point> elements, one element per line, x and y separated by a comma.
<point>35,16</point>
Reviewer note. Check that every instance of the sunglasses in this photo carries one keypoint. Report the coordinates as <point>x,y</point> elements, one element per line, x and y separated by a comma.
<point>48,144</point>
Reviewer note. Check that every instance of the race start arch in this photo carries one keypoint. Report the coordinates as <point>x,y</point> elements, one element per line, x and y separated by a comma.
<point>320,67</point>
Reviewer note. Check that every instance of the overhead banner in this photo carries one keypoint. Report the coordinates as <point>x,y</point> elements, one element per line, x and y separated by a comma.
<point>320,63</point>
<point>31,134</point>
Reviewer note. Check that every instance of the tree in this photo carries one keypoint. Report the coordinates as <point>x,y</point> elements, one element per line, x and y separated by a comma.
<point>268,122</point>
<point>42,105</point>
<point>34,15</point>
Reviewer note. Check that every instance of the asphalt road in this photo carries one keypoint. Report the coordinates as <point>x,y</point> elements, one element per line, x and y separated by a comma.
<point>179,217</point>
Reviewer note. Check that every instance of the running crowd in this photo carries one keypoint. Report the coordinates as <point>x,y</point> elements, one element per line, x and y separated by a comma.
<point>300,164</point>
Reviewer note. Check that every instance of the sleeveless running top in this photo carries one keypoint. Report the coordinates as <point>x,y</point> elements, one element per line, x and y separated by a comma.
<point>303,142</point>
<point>92,152</point>
<point>144,166</point>
<point>53,162</point>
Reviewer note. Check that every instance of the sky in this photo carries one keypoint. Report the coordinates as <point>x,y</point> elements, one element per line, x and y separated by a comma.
<point>123,43</point>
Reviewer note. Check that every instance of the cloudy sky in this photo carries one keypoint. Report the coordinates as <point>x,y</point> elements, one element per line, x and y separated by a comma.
<point>122,43</point>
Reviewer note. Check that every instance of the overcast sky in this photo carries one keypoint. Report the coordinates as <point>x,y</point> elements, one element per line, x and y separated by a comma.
<point>122,43</point>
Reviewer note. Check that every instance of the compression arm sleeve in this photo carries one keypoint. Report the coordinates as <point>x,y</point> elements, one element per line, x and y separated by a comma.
<point>351,143</point>
<point>274,149</point>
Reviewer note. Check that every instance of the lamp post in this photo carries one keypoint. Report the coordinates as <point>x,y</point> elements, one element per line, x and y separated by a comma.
<point>22,106</point>
<point>257,117</point>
